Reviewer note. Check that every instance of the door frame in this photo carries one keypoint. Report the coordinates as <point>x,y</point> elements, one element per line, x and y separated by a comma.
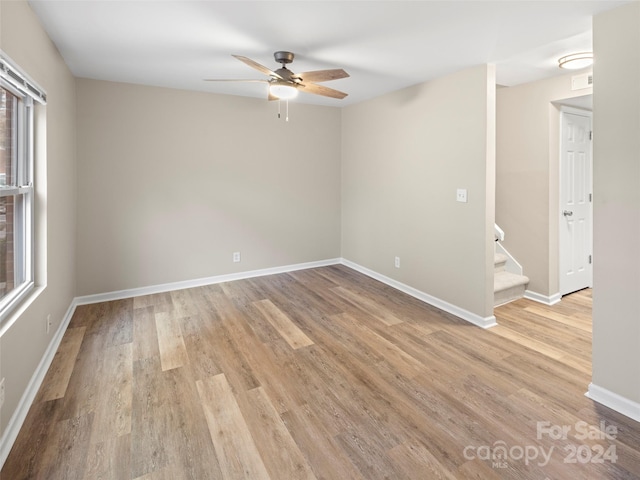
<point>588,113</point>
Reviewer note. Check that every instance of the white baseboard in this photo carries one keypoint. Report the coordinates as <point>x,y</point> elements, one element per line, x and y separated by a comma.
<point>167,287</point>
<point>484,322</point>
<point>199,282</point>
<point>614,401</point>
<point>20,414</point>
<point>538,297</point>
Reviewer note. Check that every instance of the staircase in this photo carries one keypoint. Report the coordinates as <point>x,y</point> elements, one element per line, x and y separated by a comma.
<point>507,286</point>
<point>508,282</point>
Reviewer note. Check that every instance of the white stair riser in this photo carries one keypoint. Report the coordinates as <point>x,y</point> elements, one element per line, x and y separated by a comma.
<point>509,295</point>
<point>507,287</point>
<point>499,267</point>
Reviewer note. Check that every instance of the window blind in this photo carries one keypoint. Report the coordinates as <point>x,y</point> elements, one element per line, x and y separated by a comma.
<point>11,74</point>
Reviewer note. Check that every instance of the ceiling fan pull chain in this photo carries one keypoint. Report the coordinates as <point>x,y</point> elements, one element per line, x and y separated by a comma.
<point>286,118</point>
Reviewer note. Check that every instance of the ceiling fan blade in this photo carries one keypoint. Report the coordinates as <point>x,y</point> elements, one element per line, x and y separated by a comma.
<point>257,66</point>
<point>234,80</point>
<point>322,90</point>
<point>322,75</point>
<point>271,97</point>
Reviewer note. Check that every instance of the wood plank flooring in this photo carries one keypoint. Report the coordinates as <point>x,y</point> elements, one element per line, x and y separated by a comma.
<point>320,374</point>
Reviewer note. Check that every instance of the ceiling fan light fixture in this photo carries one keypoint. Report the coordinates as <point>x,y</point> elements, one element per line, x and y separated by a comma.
<point>283,91</point>
<point>576,61</point>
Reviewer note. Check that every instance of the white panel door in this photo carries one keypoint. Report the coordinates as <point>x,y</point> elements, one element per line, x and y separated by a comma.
<point>576,232</point>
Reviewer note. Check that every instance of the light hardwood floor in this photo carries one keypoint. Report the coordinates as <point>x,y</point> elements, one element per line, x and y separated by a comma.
<point>320,374</point>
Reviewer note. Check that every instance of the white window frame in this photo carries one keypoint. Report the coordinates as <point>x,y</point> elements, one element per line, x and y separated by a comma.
<point>13,80</point>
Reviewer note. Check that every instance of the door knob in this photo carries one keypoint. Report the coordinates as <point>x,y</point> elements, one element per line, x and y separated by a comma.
<point>567,213</point>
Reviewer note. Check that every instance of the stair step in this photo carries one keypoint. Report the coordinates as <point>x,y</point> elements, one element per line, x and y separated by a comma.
<point>508,287</point>
<point>499,262</point>
<point>499,258</point>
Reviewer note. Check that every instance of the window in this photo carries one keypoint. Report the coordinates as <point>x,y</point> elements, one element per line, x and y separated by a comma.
<point>16,185</point>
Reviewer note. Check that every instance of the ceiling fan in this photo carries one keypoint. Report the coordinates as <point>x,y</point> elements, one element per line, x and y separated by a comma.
<point>285,84</point>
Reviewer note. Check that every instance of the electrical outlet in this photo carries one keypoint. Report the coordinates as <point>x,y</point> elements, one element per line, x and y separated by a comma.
<point>236,257</point>
<point>397,262</point>
<point>461,195</point>
<point>48,322</point>
<point>1,392</point>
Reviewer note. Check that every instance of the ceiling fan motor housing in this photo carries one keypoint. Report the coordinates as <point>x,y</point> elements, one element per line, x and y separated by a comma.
<point>287,75</point>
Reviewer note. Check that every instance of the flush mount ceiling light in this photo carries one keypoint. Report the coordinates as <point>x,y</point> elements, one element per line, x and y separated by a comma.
<point>576,61</point>
<point>283,91</point>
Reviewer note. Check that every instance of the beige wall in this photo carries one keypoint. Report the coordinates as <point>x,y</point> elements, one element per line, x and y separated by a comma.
<point>527,176</point>
<point>171,183</point>
<point>404,155</point>
<point>25,342</point>
<point>616,113</point>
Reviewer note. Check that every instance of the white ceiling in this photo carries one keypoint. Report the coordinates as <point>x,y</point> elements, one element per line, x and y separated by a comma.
<point>383,45</point>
